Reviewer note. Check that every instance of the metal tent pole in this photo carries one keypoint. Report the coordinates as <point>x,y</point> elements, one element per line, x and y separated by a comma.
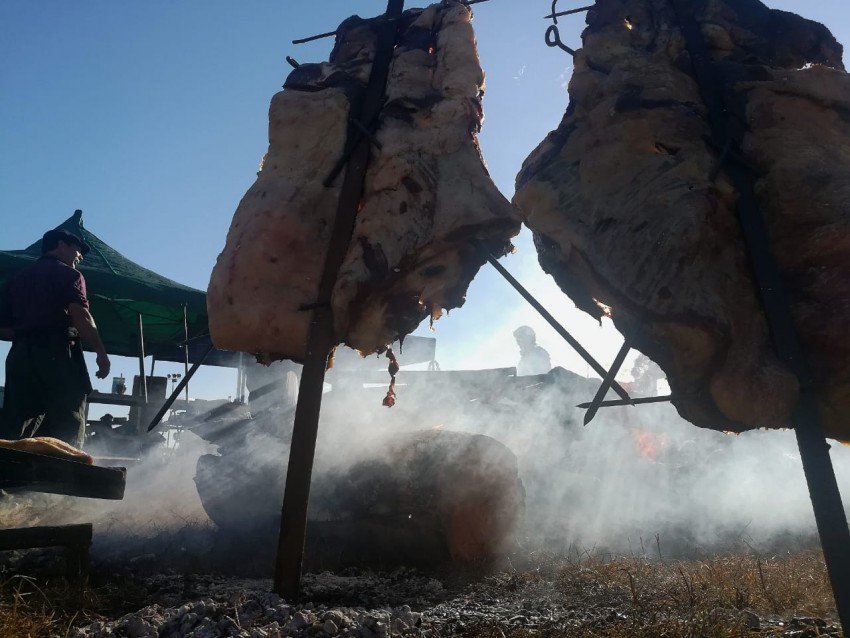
<point>176,391</point>
<point>293,524</point>
<point>240,370</point>
<point>185,350</point>
<point>143,380</point>
<point>814,450</point>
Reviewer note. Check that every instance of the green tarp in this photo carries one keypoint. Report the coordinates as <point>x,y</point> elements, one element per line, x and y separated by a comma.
<point>120,291</point>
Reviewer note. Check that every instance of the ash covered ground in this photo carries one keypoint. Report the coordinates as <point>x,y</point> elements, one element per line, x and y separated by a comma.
<point>177,594</point>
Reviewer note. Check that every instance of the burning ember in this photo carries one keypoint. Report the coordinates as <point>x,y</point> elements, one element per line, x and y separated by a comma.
<point>650,445</point>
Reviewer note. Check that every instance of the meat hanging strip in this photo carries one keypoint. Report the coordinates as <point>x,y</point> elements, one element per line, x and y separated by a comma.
<point>634,216</point>
<point>426,193</point>
<point>392,368</point>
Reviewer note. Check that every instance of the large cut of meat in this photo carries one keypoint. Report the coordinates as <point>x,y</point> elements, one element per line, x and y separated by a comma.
<point>426,193</point>
<point>635,216</point>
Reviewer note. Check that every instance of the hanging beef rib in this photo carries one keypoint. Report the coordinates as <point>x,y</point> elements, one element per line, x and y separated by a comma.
<point>426,193</point>
<point>634,215</point>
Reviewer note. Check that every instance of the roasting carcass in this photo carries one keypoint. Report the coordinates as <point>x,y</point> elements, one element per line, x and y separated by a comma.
<point>634,215</point>
<point>426,194</point>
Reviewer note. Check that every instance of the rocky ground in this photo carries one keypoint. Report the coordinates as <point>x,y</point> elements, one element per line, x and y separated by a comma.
<point>188,582</point>
<point>546,602</point>
<point>582,595</point>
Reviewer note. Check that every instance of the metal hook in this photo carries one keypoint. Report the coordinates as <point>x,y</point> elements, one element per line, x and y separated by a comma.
<point>555,41</point>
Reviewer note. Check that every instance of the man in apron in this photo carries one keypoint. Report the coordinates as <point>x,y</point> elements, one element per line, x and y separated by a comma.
<point>45,312</point>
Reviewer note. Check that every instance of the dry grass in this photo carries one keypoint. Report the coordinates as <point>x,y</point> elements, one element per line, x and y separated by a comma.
<point>597,596</point>
<point>790,584</point>
<point>733,595</point>
<point>38,609</point>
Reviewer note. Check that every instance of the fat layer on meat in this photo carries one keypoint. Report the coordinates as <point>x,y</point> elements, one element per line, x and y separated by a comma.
<point>426,194</point>
<point>633,214</point>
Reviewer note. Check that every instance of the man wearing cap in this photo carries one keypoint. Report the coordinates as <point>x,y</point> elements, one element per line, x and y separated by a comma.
<point>533,359</point>
<point>45,312</point>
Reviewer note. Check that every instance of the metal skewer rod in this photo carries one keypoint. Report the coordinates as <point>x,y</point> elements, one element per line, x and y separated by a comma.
<point>634,401</point>
<point>814,450</point>
<point>552,16</point>
<point>293,521</point>
<point>333,33</point>
<point>314,37</point>
<point>606,382</point>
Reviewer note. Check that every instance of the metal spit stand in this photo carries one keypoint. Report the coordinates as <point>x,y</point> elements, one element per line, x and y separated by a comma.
<point>293,524</point>
<point>814,450</point>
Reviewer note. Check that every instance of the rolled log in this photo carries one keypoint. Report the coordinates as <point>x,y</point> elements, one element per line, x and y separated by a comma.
<point>418,498</point>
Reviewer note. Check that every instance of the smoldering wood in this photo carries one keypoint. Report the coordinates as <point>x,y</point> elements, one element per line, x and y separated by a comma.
<point>380,510</point>
<point>418,498</point>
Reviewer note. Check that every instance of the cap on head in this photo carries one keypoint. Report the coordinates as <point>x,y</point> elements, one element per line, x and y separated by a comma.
<point>51,240</point>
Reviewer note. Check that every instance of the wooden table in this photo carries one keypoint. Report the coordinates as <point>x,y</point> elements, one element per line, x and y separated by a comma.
<point>28,472</point>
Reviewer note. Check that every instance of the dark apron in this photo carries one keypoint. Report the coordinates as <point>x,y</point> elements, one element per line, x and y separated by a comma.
<point>76,347</point>
<point>65,340</point>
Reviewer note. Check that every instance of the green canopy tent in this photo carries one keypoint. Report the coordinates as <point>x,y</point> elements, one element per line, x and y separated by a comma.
<point>121,292</point>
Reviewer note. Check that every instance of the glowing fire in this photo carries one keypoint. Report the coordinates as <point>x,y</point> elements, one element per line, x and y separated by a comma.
<point>650,445</point>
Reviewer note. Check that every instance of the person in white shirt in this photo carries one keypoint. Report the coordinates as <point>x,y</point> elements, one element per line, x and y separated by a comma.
<point>533,359</point>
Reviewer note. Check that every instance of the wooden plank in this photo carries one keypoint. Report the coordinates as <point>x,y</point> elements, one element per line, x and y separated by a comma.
<point>47,536</point>
<point>76,539</point>
<point>27,472</point>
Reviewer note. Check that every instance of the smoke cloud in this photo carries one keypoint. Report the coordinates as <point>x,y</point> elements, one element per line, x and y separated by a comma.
<point>635,479</point>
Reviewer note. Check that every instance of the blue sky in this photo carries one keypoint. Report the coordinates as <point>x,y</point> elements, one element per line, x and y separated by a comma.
<point>151,117</point>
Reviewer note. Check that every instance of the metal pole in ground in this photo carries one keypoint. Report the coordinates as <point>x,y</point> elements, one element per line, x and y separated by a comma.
<point>814,450</point>
<point>293,523</point>
<point>143,380</point>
